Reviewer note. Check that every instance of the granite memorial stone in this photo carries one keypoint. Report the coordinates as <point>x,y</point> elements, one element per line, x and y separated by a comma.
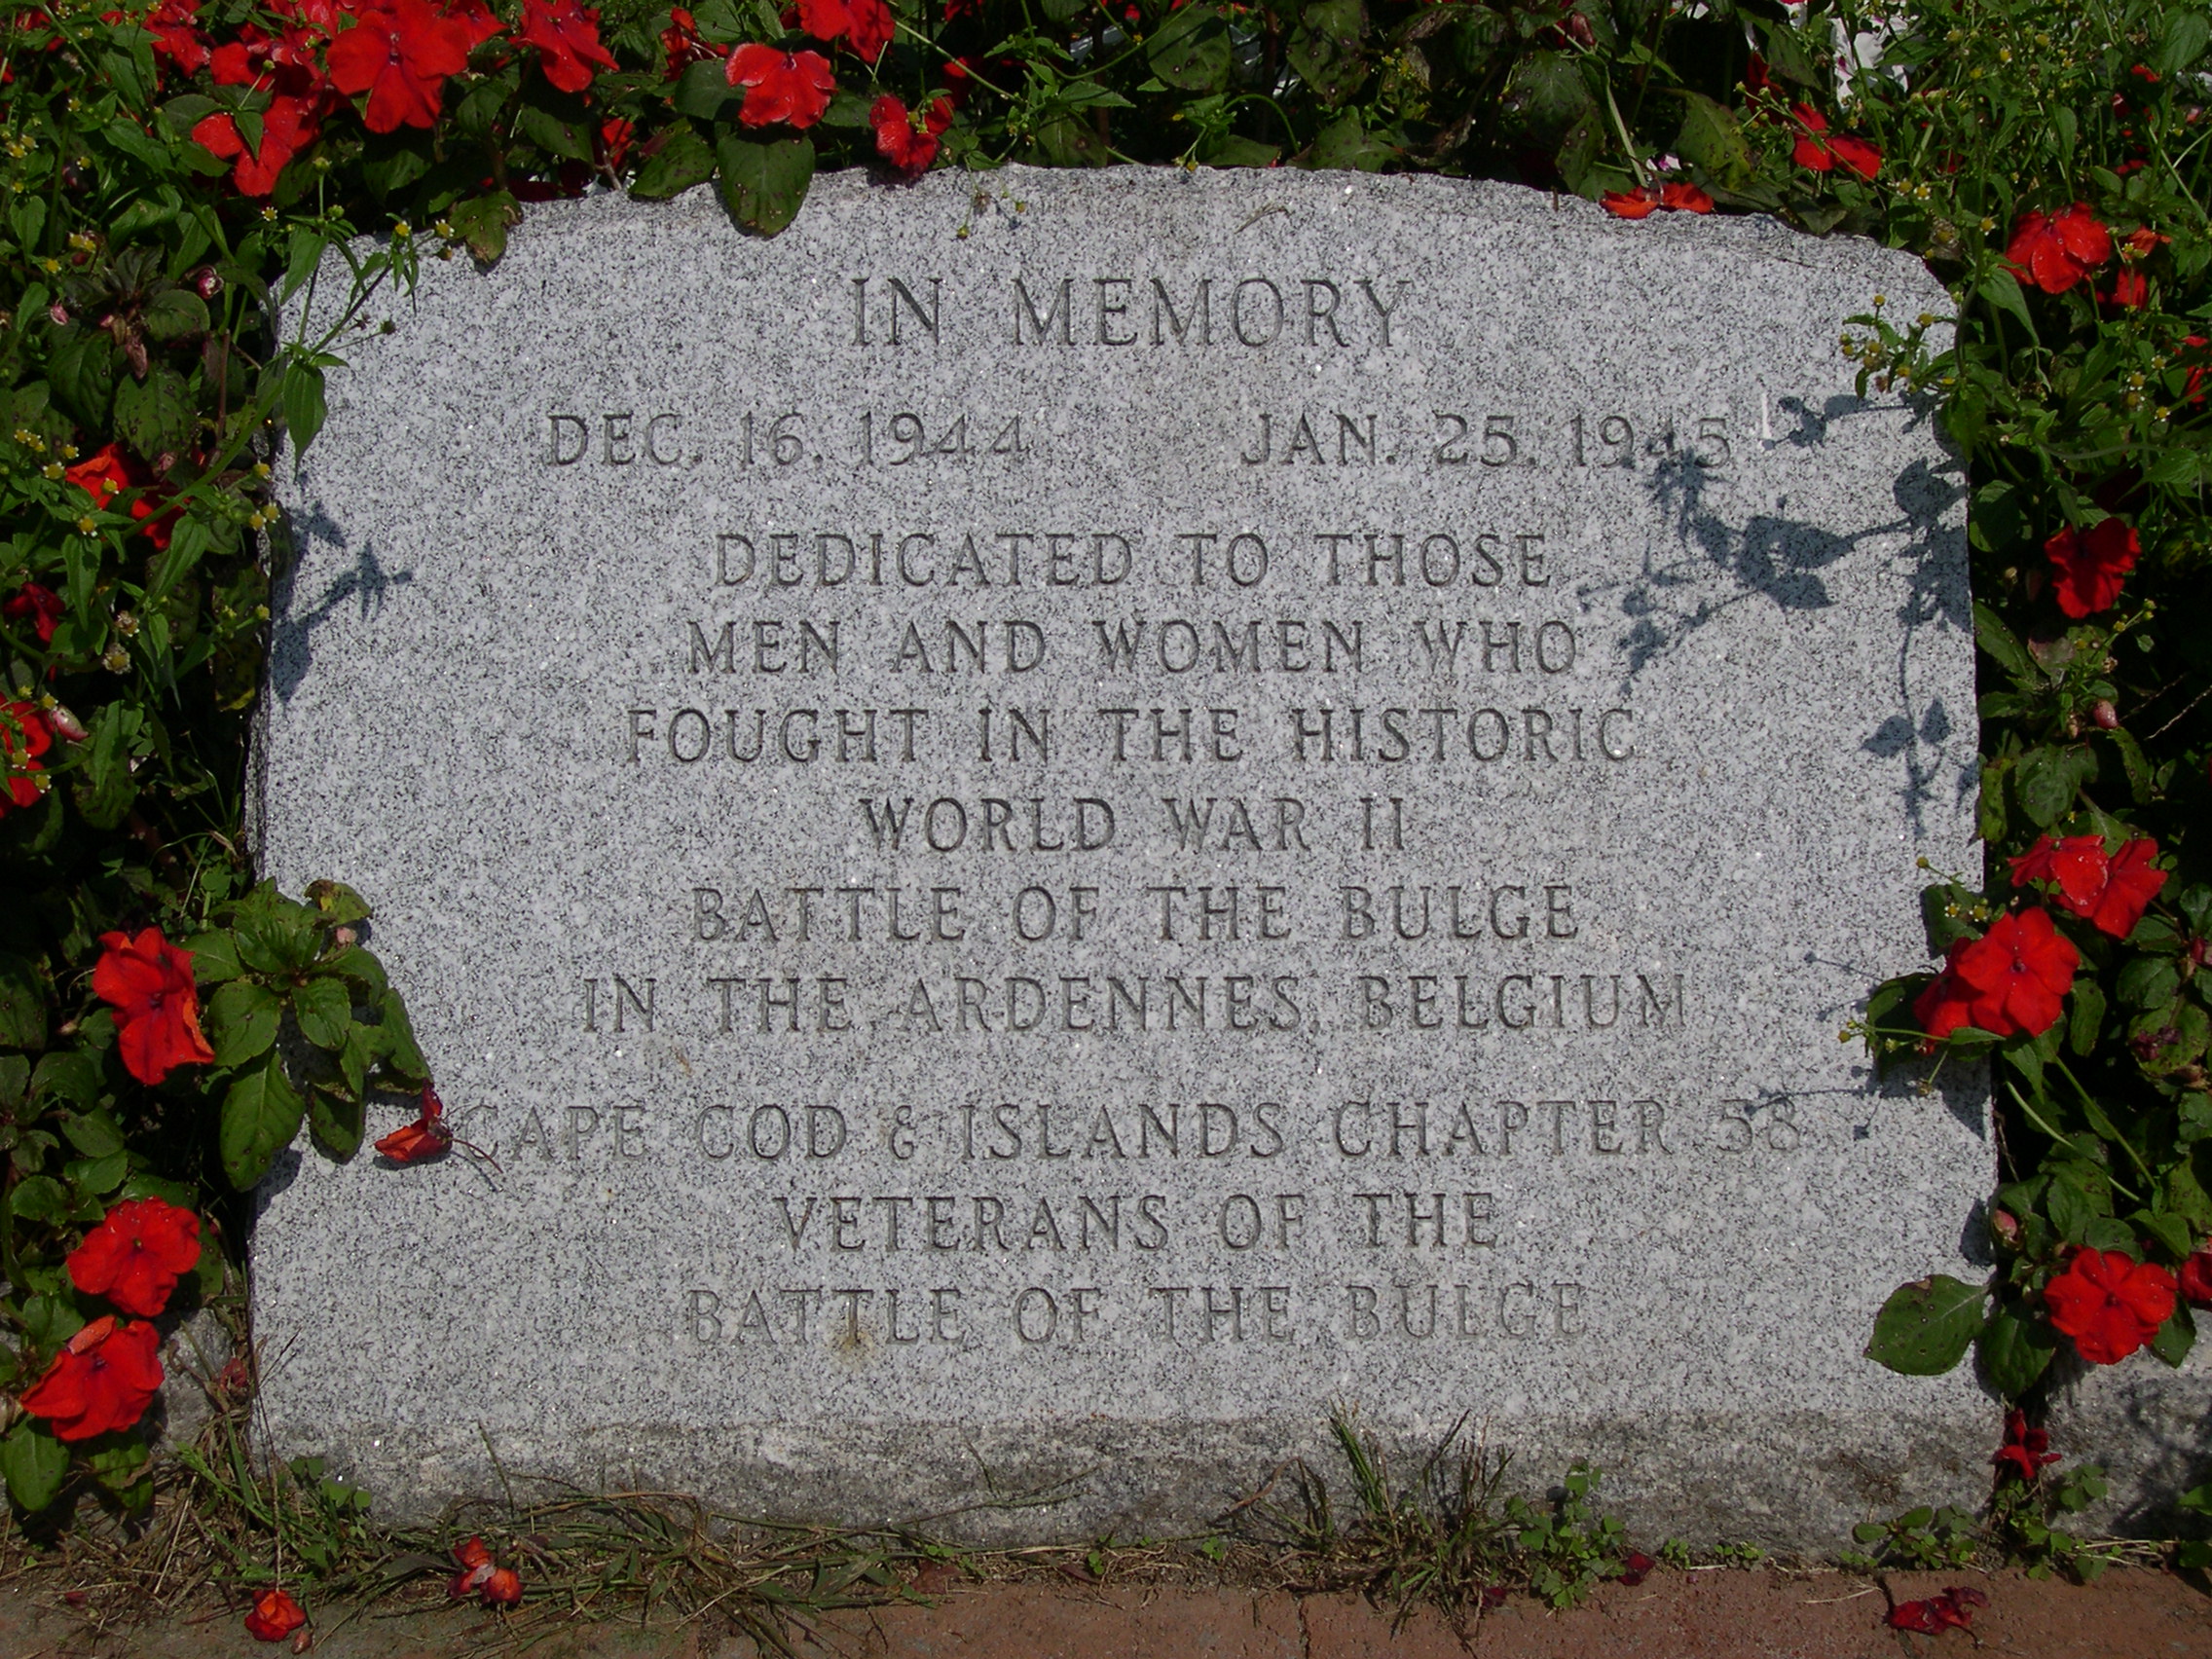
<point>1059,819</point>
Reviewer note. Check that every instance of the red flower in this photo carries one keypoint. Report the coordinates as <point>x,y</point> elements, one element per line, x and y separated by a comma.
<point>864,26</point>
<point>2129,288</point>
<point>175,37</point>
<point>100,475</point>
<point>1628,203</point>
<point>25,733</point>
<point>275,1616</point>
<point>135,1255</point>
<point>567,39</point>
<point>104,1379</point>
<point>1953,1610</point>
<point>2026,1451</point>
<point>288,126</point>
<point>2092,565</point>
<point>2112,891</point>
<point>157,1011</point>
<point>2195,1281</point>
<point>1685,198</point>
<point>682,45</point>
<point>400,57</point>
<point>500,1586</point>
<point>615,136</point>
<point>1636,1568</point>
<point>2010,980</point>
<point>2057,251</point>
<point>2110,1304</point>
<point>907,142</point>
<point>426,1138</point>
<point>42,605</point>
<point>781,86</point>
<point>1815,149</point>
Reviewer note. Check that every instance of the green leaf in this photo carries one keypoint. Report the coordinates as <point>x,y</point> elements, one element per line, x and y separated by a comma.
<point>361,968</point>
<point>483,224</point>
<point>105,786</point>
<point>242,1021</point>
<point>762,185</point>
<point>49,1321</point>
<point>304,405</point>
<point>98,1176</point>
<point>2168,1229</point>
<point>324,1009</point>
<point>1711,138</point>
<point>1992,635</point>
<point>2012,1352</point>
<point>1549,94</point>
<point>704,89</point>
<point>2088,1016</point>
<point>81,369</point>
<point>1924,1328</point>
<point>34,1462</point>
<point>2148,981</point>
<point>175,314</point>
<point>2046,779</point>
<point>39,1197</point>
<point>398,1041</point>
<point>339,906</point>
<point>1191,49</point>
<point>336,1123</point>
<point>2000,289</point>
<point>261,1115</point>
<point>214,958</point>
<point>92,1134</point>
<point>15,1080</point>
<point>22,1004</point>
<point>1346,145</point>
<point>2187,31</point>
<point>1324,50</point>
<point>2176,1337</point>
<point>685,161</point>
<point>156,415</point>
<point>550,133</point>
<point>69,1074</point>
<point>2070,1209</point>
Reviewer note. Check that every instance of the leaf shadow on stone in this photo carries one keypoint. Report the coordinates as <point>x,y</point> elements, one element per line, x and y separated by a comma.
<point>290,639</point>
<point>1717,565</point>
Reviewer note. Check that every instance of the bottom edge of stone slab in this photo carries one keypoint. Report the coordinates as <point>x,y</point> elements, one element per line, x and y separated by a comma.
<point>1789,1481</point>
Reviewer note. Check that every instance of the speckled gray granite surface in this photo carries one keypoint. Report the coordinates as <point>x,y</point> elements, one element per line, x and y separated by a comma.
<point>1059,819</point>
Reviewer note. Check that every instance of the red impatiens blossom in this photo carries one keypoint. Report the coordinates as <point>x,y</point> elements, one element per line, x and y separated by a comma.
<point>864,26</point>
<point>25,733</point>
<point>426,1138</point>
<point>1635,1567</point>
<point>288,126</point>
<point>2092,565</point>
<point>176,34</point>
<point>1952,1609</point>
<point>2195,1280</point>
<point>2129,288</point>
<point>42,607</point>
<point>611,144</point>
<point>135,1256</point>
<point>1679,197</point>
<point>275,1616</point>
<point>2011,980</point>
<point>794,87</point>
<point>2026,1451</point>
<point>500,1586</point>
<point>1817,149</point>
<point>2110,1304</point>
<point>100,475</point>
<point>104,1379</point>
<point>680,44</point>
<point>566,38</point>
<point>2055,251</point>
<point>908,139</point>
<point>401,58</point>
<point>2111,890</point>
<point>148,981</point>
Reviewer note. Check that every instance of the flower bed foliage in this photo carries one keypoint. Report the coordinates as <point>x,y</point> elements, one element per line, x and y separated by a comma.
<point>166,1025</point>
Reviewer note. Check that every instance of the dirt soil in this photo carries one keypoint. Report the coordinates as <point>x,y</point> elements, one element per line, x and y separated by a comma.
<point>1709,1615</point>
